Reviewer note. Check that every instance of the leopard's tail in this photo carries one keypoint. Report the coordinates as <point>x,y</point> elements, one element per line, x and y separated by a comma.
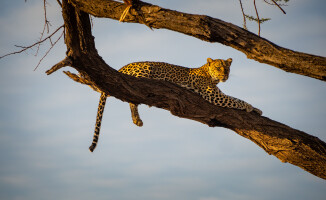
<point>100,111</point>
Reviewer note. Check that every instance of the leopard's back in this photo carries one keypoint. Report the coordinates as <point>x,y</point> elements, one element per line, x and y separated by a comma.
<point>159,71</point>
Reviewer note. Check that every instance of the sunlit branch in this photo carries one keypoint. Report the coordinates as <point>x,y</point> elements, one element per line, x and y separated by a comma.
<point>65,62</point>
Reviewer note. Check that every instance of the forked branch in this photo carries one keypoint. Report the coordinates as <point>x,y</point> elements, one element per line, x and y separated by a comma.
<point>48,51</point>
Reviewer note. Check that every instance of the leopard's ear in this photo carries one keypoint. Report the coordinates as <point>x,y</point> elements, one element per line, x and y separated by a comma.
<point>209,60</point>
<point>229,60</point>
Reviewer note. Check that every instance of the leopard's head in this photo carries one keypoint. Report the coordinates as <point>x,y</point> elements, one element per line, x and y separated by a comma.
<point>219,69</point>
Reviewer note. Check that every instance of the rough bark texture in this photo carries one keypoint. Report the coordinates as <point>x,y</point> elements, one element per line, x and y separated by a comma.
<point>211,30</point>
<point>286,143</point>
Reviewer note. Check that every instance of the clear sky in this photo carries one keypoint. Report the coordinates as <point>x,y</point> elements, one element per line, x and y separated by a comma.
<point>47,122</point>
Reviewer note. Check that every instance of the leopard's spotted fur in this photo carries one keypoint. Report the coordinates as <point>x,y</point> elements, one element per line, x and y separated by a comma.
<point>201,80</point>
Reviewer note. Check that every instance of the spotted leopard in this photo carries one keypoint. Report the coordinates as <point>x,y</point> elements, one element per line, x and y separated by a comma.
<point>202,80</point>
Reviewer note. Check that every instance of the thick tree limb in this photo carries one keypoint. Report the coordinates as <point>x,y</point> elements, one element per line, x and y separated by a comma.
<point>211,30</point>
<point>286,143</point>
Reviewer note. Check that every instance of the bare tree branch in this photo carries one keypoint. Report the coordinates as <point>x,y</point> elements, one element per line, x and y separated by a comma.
<point>212,30</point>
<point>276,4</point>
<point>244,16</point>
<point>48,51</point>
<point>258,20</point>
<point>45,27</point>
<point>24,48</point>
<point>279,6</point>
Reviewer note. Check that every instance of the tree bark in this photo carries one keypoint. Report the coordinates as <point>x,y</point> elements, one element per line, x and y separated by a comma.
<point>211,30</point>
<point>287,144</point>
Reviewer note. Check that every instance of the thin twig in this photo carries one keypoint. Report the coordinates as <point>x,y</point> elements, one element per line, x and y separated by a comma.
<point>46,26</point>
<point>51,41</point>
<point>244,16</point>
<point>36,43</point>
<point>279,7</point>
<point>280,4</point>
<point>257,17</point>
<point>48,51</point>
<point>47,23</point>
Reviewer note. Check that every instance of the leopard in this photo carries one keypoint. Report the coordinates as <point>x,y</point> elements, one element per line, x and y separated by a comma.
<point>202,80</point>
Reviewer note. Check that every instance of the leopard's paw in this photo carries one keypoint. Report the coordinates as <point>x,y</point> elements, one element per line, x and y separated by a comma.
<point>258,111</point>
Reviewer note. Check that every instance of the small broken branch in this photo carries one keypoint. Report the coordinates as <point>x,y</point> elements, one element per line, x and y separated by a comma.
<point>82,80</point>
<point>65,62</point>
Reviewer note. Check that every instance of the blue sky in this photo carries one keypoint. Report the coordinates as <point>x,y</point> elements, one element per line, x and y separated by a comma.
<point>46,122</point>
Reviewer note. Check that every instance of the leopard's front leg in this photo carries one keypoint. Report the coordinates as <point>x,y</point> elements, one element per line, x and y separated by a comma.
<point>217,97</point>
<point>135,115</point>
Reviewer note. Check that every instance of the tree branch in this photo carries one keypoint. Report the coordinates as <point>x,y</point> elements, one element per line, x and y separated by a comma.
<point>212,30</point>
<point>45,27</point>
<point>287,144</point>
<point>243,15</point>
<point>279,7</point>
<point>48,51</point>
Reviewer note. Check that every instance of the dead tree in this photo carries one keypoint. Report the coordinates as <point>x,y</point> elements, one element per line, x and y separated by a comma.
<point>287,144</point>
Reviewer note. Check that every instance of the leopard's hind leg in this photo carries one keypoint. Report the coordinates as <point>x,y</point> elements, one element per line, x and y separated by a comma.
<point>217,97</point>
<point>99,116</point>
